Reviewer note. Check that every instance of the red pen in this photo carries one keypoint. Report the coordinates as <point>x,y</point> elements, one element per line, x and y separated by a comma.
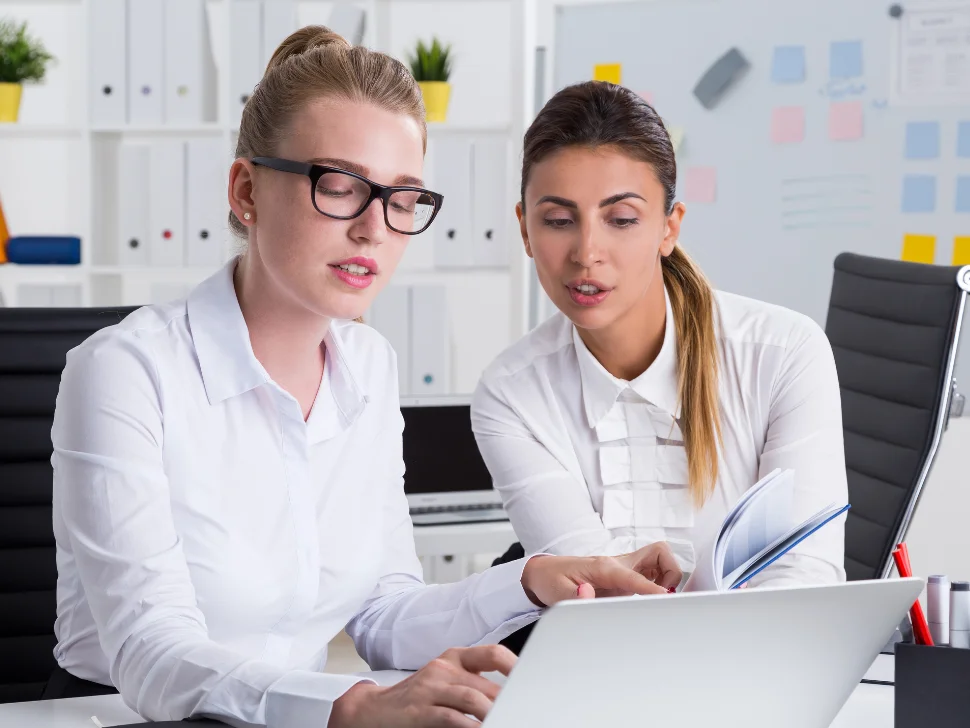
<point>921,630</point>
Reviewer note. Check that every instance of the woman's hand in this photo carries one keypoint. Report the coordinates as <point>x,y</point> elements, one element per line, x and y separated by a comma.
<point>442,694</point>
<point>651,570</point>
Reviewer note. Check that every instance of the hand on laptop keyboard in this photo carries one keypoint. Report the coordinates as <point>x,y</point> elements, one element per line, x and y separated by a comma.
<point>443,693</point>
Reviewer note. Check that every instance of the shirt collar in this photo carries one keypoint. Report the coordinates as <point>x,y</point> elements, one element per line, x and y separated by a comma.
<point>658,384</point>
<point>230,368</point>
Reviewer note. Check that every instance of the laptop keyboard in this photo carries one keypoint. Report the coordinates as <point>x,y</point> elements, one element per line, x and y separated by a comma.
<point>415,510</point>
<point>468,513</point>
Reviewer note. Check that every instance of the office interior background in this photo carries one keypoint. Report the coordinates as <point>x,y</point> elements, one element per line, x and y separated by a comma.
<point>827,137</point>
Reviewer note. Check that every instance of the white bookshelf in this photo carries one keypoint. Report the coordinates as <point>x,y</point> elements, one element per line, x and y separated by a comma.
<point>56,167</point>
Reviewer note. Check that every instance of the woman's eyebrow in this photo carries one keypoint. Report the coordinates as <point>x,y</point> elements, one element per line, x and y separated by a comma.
<point>612,200</point>
<point>562,201</point>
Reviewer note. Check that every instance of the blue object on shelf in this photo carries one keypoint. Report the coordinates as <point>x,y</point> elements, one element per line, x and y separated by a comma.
<point>44,250</point>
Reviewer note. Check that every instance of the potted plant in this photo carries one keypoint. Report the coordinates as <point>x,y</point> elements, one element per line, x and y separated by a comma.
<point>431,67</point>
<point>22,59</point>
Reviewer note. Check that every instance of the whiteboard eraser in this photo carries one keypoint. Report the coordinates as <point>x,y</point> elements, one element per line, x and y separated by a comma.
<point>723,74</point>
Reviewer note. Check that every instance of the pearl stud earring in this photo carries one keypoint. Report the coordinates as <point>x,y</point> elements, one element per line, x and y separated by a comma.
<point>247,216</point>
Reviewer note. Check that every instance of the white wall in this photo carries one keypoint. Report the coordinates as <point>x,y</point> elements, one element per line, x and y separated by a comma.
<point>939,536</point>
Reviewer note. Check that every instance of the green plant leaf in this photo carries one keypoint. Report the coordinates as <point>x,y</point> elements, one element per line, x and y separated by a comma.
<point>23,59</point>
<point>431,62</point>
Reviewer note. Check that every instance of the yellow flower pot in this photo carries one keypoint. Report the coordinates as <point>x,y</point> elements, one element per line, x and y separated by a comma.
<point>10,101</point>
<point>436,95</point>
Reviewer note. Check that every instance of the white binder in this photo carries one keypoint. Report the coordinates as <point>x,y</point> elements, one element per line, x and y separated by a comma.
<point>205,203</point>
<point>66,295</point>
<point>245,69</point>
<point>453,227</point>
<point>134,173</point>
<point>146,53</point>
<point>279,20</point>
<point>429,340</point>
<point>190,94</point>
<point>390,315</point>
<point>166,210</point>
<point>490,213</point>
<point>161,293</point>
<point>108,89</point>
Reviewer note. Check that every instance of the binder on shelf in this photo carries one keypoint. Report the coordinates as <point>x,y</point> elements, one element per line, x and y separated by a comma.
<point>429,340</point>
<point>166,203</point>
<point>37,295</point>
<point>205,194</point>
<point>245,69</point>
<point>146,54</point>
<point>66,295</point>
<point>190,89</point>
<point>34,295</point>
<point>348,21</point>
<point>166,292</point>
<point>134,181</point>
<point>390,315</point>
<point>489,211</point>
<point>453,227</point>
<point>44,249</point>
<point>279,20</point>
<point>108,63</point>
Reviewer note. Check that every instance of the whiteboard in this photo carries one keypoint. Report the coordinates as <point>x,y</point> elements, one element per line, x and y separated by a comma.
<point>782,211</point>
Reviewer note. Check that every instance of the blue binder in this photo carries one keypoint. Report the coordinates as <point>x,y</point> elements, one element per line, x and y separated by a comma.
<point>44,250</point>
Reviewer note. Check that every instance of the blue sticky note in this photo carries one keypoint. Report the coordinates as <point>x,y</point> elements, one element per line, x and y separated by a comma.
<point>922,140</point>
<point>845,59</point>
<point>963,194</point>
<point>788,64</point>
<point>919,193</point>
<point>963,139</point>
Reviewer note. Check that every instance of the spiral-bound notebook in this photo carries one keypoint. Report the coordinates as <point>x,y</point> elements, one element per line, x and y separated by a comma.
<point>759,530</point>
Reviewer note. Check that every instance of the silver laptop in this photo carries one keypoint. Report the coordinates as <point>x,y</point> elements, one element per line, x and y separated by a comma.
<point>754,658</point>
<point>445,478</point>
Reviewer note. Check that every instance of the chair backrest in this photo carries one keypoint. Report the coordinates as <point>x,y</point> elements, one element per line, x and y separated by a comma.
<point>33,347</point>
<point>893,327</point>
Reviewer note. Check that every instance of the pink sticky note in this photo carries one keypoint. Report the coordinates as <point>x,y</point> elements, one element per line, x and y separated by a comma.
<point>647,96</point>
<point>700,184</point>
<point>845,120</point>
<point>788,124</point>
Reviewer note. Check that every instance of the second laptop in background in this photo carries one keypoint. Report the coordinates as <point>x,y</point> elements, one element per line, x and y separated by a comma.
<point>445,478</point>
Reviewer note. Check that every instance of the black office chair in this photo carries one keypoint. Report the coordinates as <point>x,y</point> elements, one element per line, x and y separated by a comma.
<point>894,328</point>
<point>33,347</point>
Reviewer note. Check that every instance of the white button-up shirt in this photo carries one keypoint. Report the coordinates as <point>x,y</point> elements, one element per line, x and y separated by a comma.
<point>589,464</point>
<point>210,543</point>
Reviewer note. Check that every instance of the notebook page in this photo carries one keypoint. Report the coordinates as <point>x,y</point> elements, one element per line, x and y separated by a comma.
<point>762,519</point>
<point>784,544</point>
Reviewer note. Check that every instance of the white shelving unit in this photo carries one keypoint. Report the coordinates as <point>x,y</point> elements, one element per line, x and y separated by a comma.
<point>57,169</point>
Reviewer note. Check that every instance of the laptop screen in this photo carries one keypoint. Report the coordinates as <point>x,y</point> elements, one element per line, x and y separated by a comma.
<point>440,452</point>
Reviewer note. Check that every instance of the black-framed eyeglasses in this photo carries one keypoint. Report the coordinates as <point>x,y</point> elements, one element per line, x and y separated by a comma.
<point>344,195</point>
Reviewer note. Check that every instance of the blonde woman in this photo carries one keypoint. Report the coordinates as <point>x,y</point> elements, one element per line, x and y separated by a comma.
<point>228,471</point>
<point>647,406</point>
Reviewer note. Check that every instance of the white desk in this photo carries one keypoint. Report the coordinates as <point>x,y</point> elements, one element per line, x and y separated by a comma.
<point>871,706</point>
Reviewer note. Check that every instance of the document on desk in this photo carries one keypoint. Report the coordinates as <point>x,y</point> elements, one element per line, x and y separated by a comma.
<point>759,530</point>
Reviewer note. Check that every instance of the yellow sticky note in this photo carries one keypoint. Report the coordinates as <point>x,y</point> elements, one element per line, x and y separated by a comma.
<point>919,248</point>
<point>961,250</point>
<point>676,137</point>
<point>608,72</point>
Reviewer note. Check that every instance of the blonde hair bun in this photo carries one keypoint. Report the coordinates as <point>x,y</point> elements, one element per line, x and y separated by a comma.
<point>304,40</point>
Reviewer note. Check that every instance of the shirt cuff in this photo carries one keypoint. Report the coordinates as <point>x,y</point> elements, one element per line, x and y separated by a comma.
<point>502,596</point>
<point>304,699</point>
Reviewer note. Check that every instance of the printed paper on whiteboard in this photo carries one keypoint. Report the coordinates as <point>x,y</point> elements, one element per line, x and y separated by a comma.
<point>931,62</point>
